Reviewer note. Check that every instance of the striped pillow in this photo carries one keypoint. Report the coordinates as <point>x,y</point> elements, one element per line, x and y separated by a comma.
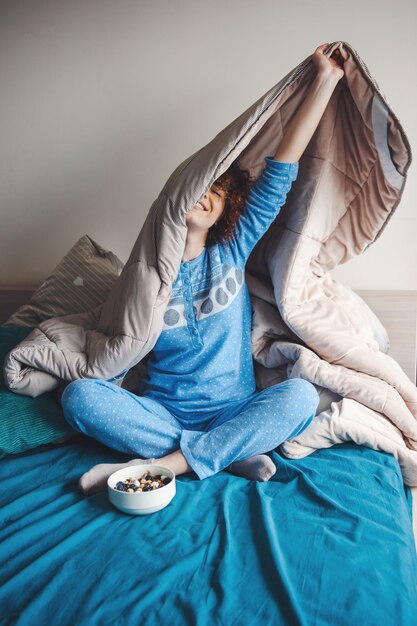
<point>80,282</point>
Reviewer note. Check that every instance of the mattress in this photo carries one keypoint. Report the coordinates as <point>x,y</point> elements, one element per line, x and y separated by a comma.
<point>328,540</point>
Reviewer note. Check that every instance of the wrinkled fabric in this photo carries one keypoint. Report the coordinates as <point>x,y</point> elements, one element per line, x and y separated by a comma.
<point>328,540</point>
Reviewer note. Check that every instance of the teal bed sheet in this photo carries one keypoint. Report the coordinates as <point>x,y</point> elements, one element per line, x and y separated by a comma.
<point>328,541</point>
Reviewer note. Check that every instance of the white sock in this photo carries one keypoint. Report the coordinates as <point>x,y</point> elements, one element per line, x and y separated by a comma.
<point>96,478</point>
<point>259,467</point>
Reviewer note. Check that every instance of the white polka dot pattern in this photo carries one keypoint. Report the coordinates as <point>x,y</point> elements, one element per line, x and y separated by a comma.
<point>145,428</point>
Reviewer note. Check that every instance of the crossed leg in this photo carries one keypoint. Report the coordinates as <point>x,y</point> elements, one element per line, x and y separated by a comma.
<point>235,440</point>
<point>138,426</point>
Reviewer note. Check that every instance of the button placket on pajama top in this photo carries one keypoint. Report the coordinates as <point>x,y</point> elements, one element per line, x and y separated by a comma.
<point>189,308</point>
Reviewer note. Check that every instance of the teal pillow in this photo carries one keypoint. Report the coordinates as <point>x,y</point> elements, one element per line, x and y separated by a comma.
<point>26,422</point>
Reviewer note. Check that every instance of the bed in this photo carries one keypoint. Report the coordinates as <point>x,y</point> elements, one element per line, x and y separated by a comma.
<point>328,540</point>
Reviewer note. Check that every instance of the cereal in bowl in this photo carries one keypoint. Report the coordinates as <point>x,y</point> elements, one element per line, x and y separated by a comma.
<point>146,482</point>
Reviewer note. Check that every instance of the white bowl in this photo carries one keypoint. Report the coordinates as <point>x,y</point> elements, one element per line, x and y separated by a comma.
<point>141,502</point>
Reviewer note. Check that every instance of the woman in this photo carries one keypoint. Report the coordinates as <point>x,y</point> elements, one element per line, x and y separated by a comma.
<point>198,408</point>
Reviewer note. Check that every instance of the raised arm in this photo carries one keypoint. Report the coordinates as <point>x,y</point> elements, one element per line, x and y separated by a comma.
<point>268,194</point>
<point>308,115</point>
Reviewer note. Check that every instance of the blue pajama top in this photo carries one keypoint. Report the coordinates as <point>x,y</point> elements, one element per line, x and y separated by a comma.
<point>202,359</point>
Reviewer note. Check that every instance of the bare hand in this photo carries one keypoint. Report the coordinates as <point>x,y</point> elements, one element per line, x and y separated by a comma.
<point>330,65</point>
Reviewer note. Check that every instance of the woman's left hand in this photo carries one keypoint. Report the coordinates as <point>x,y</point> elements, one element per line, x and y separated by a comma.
<point>330,65</point>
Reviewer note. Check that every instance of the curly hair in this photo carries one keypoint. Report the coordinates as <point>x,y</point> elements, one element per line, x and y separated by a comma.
<point>236,183</point>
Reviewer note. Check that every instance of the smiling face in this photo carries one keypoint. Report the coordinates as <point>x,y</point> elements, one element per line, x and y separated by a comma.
<point>214,217</point>
<point>208,210</point>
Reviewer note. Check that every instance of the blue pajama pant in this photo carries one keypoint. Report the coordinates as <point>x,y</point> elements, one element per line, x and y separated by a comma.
<point>146,428</point>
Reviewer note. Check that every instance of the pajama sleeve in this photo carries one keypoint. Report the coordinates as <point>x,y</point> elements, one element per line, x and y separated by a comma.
<point>264,201</point>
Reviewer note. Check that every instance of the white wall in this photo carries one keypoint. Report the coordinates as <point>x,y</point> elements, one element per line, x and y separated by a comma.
<point>101,99</point>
